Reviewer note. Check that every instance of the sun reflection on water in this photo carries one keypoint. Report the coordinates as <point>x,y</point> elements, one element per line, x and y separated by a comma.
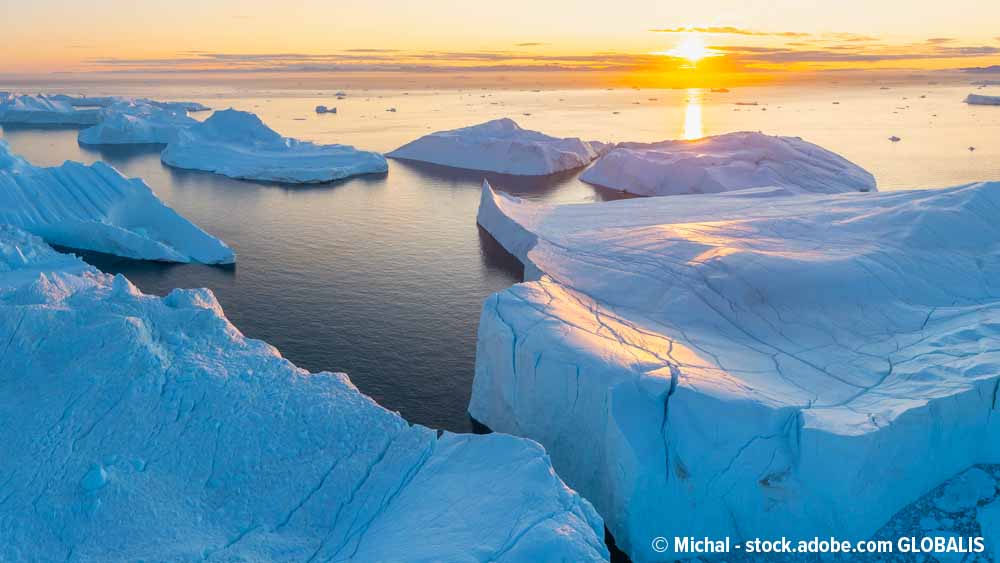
<point>692,115</point>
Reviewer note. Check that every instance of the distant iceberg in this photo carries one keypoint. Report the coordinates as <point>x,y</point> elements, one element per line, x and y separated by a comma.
<point>982,100</point>
<point>106,101</point>
<point>145,428</point>
<point>237,144</point>
<point>42,110</point>
<point>134,122</point>
<point>96,208</point>
<point>733,161</point>
<point>501,146</point>
<point>727,366</point>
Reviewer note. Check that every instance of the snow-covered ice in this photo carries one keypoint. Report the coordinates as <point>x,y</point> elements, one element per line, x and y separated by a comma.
<point>143,428</point>
<point>105,101</point>
<point>96,208</point>
<point>982,100</point>
<point>722,163</point>
<point>501,146</point>
<point>136,122</point>
<point>728,365</point>
<point>238,144</point>
<point>43,110</point>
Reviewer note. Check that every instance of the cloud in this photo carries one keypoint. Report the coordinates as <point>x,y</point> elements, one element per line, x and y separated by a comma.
<point>982,69</point>
<point>940,40</point>
<point>753,54</point>
<point>729,30</point>
<point>530,44</point>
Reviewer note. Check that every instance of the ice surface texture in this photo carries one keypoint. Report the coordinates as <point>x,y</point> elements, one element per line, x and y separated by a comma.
<point>500,146</point>
<point>733,161</point>
<point>136,427</point>
<point>96,208</point>
<point>748,364</point>
<point>237,144</point>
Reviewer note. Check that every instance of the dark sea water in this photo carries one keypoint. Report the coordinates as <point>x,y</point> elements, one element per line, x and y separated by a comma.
<point>383,277</point>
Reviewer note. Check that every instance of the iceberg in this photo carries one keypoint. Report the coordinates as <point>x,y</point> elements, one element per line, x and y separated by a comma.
<point>106,101</point>
<point>982,100</point>
<point>729,365</point>
<point>722,163</point>
<point>501,146</point>
<point>42,110</point>
<point>96,208</point>
<point>238,144</point>
<point>136,123</point>
<point>143,428</point>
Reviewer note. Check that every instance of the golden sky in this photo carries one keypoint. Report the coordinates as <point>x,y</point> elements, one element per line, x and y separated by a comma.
<point>630,37</point>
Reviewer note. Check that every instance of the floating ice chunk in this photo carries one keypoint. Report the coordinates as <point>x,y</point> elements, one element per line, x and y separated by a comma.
<point>982,100</point>
<point>895,139</point>
<point>237,144</point>
<point>96,208</point>
<point>966,490</point>
<point>501,146</point>
<point>733,161</point>
<point>324,109</point>
<point>719,365</point>
<point>138,427</point>
<point>42,110</point>
<point>136,123</point>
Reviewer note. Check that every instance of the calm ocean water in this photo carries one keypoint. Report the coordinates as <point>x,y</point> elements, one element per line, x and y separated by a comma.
<point>383,277</point>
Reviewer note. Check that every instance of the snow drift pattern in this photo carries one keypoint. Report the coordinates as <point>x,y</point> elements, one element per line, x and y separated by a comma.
<point>237,144</point>
<point>96,208</point>
<point>725,366</point>
<point>500,146</point>
<point>135,427</point>
<point>136,122</point>
<point>733,161</point>
<point>43,110</point>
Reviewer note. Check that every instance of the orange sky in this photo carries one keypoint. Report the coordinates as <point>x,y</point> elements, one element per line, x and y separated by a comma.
<point>633,38</point>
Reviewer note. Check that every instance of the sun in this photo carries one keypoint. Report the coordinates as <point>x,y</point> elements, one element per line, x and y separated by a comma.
<point>692,49</point>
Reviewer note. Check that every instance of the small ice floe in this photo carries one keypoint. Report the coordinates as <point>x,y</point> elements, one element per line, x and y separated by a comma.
<point>895,139</point>
<point>324,109</point>
<point>982,100</point>
<point>391,110</point>
<point>972,149</point>
<point>836,103</point>
<point>747,103</point>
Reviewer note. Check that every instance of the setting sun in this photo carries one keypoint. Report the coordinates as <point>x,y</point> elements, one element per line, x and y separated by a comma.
<point>692,48</point>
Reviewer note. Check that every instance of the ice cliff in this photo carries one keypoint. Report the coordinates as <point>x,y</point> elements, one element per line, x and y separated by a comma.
<point>748,364</point>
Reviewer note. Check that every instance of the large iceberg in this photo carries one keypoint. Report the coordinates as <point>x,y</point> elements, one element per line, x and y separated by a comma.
<point>237,144</point>
<point>42,110</point>
<point>748,364</point>
<point>733,161</point>
<point>136,122</point>
<point>143,428</point>
<point>96,208</point>
<point>982,100</point>
<point>501,146</point>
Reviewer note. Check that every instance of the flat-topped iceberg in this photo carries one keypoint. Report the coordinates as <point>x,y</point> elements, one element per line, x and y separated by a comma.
<point>106,101</point>
<point>135,122</point>
<point>728,366</point>
<point>501,146</point>
<point>238,144</point>
<point>43,110</point>
<point>96,208</point>
<point>982,100</point>
<point>144,428</point>
<point>733,161</point>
